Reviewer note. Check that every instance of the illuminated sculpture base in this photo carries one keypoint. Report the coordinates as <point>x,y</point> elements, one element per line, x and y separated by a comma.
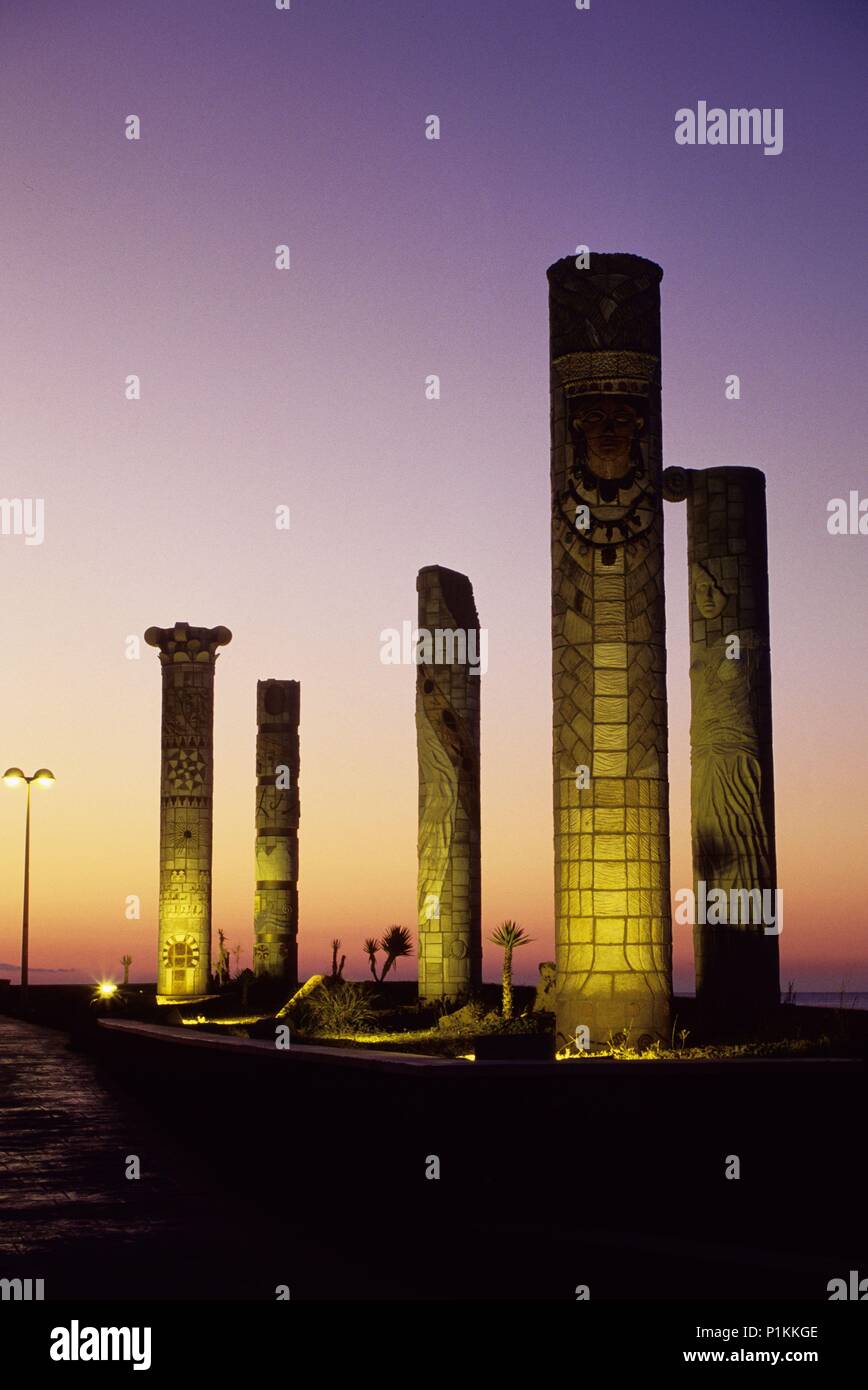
<point>638,1018</point>
<point>184,998</point>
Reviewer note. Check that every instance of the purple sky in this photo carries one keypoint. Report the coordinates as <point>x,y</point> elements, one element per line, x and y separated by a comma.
<point>306,387</point>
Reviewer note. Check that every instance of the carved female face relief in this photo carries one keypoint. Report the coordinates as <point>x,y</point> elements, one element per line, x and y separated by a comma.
<point>708,596</point>
<point>609,424</point>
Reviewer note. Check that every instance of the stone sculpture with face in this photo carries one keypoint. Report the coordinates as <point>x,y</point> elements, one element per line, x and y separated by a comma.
<point>708,596</point>
<point>610,425</point>
<point>607,481</point>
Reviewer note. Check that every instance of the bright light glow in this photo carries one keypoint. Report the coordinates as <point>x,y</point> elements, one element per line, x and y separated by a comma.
<point>225,1022</point>
<point>13,776</point>
<point>106,988</point>
<point>44,777</point>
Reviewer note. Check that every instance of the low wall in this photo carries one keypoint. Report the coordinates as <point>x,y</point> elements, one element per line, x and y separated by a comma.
<point>635,1151</point>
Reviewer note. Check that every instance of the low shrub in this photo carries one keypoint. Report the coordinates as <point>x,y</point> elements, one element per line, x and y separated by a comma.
<point>338,1009</point>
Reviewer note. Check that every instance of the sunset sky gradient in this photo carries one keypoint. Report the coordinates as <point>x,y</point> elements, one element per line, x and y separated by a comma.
<point>306,388</point>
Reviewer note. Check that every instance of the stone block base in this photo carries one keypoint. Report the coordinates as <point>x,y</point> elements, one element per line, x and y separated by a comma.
<point>643,1017</point>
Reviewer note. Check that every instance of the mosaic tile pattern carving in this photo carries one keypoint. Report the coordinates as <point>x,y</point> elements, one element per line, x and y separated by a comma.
<point>275,910</point>
<point>447,738</point>
<point>613,926</point>
<point>732,776</point>
<point>187,656</point>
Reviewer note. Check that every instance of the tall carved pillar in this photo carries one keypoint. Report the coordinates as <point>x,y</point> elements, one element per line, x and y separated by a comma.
<point>612,914</point>
<point>447,740</point>
<point>732,775</point>
<point>187,657</point>
<point>275,951</point>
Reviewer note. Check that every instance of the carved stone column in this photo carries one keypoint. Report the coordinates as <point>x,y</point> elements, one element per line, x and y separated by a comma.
<point>732,775</point>
<point>275,951</point>
<point>447,740</point>
<point>612,913</point>
<point>187,657</point>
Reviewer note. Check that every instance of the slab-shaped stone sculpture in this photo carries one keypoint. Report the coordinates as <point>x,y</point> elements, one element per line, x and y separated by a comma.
<point>612,912</point>
<point>447,739</point>
<point>187,657</point>
<point>275,911</point>
<point>732,775</point>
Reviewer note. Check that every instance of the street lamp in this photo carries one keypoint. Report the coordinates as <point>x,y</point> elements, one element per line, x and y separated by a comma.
<point>13,777</point>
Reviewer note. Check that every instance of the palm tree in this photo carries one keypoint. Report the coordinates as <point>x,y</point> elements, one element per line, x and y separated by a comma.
<point>126,962</point>
<point>396,943</point>
<point>509,935</point>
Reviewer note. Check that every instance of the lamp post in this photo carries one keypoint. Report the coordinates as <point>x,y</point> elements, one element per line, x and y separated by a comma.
<point>13,777</point>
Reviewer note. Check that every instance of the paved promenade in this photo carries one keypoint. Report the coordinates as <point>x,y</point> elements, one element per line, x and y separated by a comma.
<point>69,1214</point>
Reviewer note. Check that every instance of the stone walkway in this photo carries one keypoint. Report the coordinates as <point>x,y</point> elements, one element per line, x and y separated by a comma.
<point>69,1215</point>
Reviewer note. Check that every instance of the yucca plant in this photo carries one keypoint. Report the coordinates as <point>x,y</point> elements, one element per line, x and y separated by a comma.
<point>371,949</point>
<point>397,942</point>
<point>509,935</point>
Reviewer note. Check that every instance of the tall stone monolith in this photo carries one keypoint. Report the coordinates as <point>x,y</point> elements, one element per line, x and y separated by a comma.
<point>275,912</point>
<point>732,773</point>
<point>612,913</point>
<point>449,668</point>
<point>187,657</point>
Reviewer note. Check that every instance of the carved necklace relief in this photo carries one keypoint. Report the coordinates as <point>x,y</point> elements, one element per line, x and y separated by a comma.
<point>608,500</point>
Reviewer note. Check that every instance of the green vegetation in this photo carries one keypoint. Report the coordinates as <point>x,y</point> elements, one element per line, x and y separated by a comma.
<point>336,1010</point>
<point>396,943</point>
<point>337,970</point>
<point>391,1017</point>
<point>621,1051</point>
<point>509,935</point>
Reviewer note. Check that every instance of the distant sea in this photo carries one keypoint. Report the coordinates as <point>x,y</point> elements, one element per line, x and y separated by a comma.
<point>827,999</point>
<point>811,998</point>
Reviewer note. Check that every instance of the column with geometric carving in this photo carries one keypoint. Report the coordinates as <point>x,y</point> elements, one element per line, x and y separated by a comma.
<point>447,740</point>
<point>612,913</point>
<point>732,773</point>
<point>187,657</point>
<point>275,951</point>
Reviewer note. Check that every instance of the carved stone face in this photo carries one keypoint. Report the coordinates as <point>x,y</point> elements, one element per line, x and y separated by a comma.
<point>609,424</point>
<point>707,595</point>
